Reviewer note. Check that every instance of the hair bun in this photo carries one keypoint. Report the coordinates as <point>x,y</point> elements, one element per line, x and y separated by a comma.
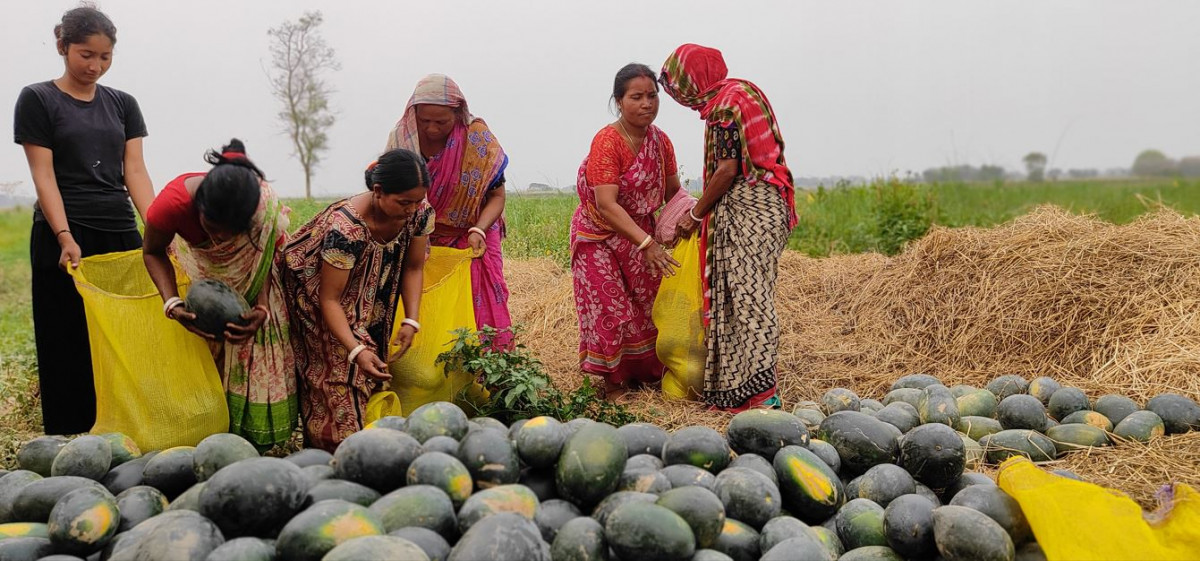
<point>235,146</point>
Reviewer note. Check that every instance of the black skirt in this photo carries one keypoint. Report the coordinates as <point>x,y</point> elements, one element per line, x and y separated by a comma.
<point>60,327</point>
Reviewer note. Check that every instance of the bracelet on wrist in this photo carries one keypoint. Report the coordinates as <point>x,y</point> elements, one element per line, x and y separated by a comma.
<point>171,303</point>
<point>353,354</point>
<point>477,230</point>
<point>646,242</point>
<point>693,214</point>
<point>61,232</point>
<point>412,323</point>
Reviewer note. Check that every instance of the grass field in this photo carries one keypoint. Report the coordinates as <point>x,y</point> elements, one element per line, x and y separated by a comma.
<point>838,220</point>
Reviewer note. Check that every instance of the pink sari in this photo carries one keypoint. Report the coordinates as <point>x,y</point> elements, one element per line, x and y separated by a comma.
<point>614,291</point>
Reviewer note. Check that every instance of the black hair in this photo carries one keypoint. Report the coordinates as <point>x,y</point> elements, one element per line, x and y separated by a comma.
<point>626,74</point>
<point>229,194</point>
<point>397,171</point>
<point>83,22</point>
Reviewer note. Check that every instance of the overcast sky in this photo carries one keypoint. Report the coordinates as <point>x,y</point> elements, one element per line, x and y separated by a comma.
<point>859,87</point>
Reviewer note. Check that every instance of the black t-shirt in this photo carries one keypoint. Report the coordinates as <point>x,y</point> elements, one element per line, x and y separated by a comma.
<point>88,141</point>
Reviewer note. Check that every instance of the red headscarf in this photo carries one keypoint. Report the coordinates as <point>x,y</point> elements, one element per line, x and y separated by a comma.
<point>696,76</point>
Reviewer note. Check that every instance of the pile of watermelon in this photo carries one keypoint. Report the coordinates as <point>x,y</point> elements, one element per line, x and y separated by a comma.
<point>846,478</point>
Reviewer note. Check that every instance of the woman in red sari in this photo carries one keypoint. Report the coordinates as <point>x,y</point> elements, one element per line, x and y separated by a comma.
<point>747,211</point>
<point>628,174</point>
<point>466,169</point>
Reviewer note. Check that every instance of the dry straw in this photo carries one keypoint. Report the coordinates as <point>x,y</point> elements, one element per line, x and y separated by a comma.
<point>1106,308</point>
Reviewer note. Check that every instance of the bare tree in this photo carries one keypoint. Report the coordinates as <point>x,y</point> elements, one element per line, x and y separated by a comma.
<point>299,58</point>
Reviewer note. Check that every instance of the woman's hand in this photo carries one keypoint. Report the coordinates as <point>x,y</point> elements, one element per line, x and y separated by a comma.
<point>369,362</point>
<point>478,244</point>
<point>685,227</point>
<point>658,260</point>
<point>404,340</point>
<point>187,319</point>
<point>70,254</point>
<point>255,318</point>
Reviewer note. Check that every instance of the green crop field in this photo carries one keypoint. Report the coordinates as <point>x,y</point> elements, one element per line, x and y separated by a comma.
<point>879,217</point>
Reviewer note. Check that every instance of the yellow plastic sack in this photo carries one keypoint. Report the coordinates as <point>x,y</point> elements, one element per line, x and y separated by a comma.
<point>446,305</point>
<point>155,381</point>
<point>1079,521</point>
<point>678,315</point>
<point>382,404</point>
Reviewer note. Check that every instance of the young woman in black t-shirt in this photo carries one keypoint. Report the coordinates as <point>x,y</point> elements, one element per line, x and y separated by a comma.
<point>83,142</point>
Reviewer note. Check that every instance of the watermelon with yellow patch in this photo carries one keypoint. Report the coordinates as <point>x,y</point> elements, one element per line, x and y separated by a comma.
<point>308,536</point>
<point>1085,417</point>
<point>24,530</point>
<point>739,541</point>
<point>1141,426</point>
<point>978,403</point>
<point>811,491</point>
<point>505,498</point>
<point>591,464</point>
<point>123,448</point>
<point>540,440</point>
<point>83,521</point>
<point>444,472</point>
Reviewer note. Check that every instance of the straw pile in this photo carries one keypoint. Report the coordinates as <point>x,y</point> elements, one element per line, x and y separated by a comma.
<point>1106,308</point>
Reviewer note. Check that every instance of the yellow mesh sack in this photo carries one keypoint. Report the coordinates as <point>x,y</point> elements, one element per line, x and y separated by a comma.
<point>446,305</point>
<point>678,315</point>
<point>1079,521</point>
<point>155,381</point>
<point>382,404</point>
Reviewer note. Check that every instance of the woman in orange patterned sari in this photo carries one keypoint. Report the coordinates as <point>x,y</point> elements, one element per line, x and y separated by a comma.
<point>345,272</point>
<point>617,265</point>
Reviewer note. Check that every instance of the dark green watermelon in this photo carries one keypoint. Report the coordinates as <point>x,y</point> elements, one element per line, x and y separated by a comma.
<point>782,528</point>
<point>541,482</point>
<point>914,381</point>
<point>38,455</point>
<point>377,458</point>
<point>1021,411</point>
<point>700,508</point>
<point>21,549</point>
<point>911,396</point>
<point>215,305</point>
<point>83,521</point>
<point>188,500</point>
<point>968,479</point>
<point>581,539</point>
<point>839,399</point>
<point>964,534</point>
<point>756,463</point>
<point>444,472</point>
<point>126,475</point>
<point>882,484</point>
<point>423,506</point>
<point>900,415</point>
<point>682,475</point>
<point>1043,388</point>
<point>517,499</point>
<point>827,453</point>
<point>798,549</point>
<point>552,515</point>
<point>1076,437</point>
<point>938,405</point>
<point>615,500</point>
<point>394,422</point>
<point>243,549</point>
<point>1141,426</point>
<point>748,496</point>
<point>1115,407</point>
<point>219,450</point>
<point>1009,384</point>
<point>860,523</point>
<point>1066,401</point>
<point>137,504</point>
<point>908,526</point>
<point>505,536</point>
<point>643,438</point>
<point>977,403</point>
<point>591,464</point>
<point>645,530</point>
<point>644,462</point>
<point>861,440</point>
<point>738,541</point>
<point>765,431</point>
<point>490,457</point>
<point>997,505</point>
<point>323,526</point>
<point>1179,414</point>
<point>440,418</point>
<point>171,471</point>
<point>699,446</point>
<point>1018,442</point>
<point>433,544</point>
<point>978,427</point>
<point>254,497</point>
<point>37,498</point>
<point>644,481</point>
<point>376,547</point>
<point>86,456</point>
<point>540,441</point>
<point>10,486</point>
<point>443,444</point>
<point>349,491</point>
<point>185,535</point>
<point>811,491</point>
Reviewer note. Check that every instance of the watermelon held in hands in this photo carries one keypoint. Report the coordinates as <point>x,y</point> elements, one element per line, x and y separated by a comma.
<point>215,305</point>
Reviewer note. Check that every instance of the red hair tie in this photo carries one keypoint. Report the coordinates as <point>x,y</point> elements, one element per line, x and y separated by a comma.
<point>233,155</point>
<point>371,166</point>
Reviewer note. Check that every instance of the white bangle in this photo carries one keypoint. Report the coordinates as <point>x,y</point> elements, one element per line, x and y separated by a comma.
<point>171,303</point>
<point>477,230</point>
<point>692,214</point>
<point>354,353</point>
<point>646,242</point>
<point>412,323</point>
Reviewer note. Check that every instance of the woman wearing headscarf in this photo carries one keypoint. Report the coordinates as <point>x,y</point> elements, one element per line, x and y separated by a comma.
<point>746,213</point>
<point>466,166</point>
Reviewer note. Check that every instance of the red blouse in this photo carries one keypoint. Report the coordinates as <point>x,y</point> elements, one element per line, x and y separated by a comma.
<point>611,155</point>
<point>172,212</point>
